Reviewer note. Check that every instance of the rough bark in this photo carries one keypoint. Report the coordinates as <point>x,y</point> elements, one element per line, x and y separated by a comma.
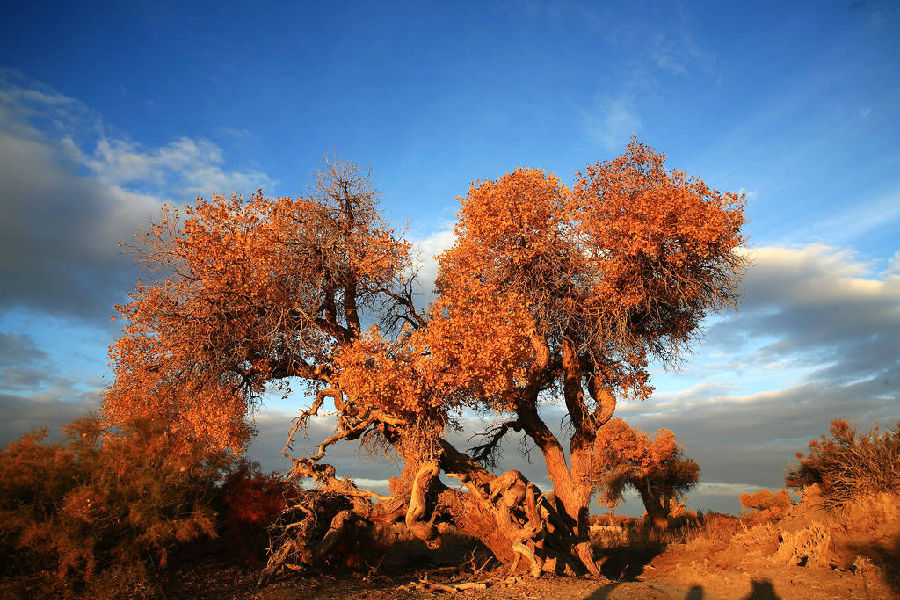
<point>524,528</point>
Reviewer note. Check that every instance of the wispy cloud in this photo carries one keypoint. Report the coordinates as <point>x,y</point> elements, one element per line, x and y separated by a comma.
<point>854,221</point>
<point>612,121</point>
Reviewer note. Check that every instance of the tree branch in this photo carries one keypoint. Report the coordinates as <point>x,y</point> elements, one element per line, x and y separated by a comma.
<point>405,300</point>
<point>489,452</point>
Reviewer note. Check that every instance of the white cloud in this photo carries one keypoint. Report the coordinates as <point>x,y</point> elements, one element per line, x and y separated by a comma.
<point>428,249</point>
<point>612,121</point>
<point>185,166</point>
<point>818,307</point>
<point>70,191</point>
<point>717,488</point>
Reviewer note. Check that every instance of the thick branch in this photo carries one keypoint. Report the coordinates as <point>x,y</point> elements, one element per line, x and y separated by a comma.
<point>606,402</point>
<point>572,392</point>
<point>418,506</point>
<point>351,312</point>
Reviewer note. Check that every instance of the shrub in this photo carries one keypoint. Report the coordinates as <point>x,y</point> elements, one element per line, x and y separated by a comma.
<point>850,464</point>
<point>103,498</point>
<point>251,502</point>
<point>764,506</point>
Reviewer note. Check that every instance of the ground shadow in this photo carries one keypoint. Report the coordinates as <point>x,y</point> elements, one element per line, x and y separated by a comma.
<point>627,563</point>
<point>760,589</point>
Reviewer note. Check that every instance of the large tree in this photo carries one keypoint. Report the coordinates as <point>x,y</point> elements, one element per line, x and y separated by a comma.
<point>548,292</point>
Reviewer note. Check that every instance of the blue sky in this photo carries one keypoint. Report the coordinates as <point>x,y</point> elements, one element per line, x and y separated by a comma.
<point>109,110</point>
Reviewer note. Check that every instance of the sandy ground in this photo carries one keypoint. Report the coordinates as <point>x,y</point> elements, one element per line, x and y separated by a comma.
<point>665,577</point>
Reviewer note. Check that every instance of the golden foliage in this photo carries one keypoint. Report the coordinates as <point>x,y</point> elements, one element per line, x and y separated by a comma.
<point>105,499</point>
<point>849,464</point>
<point>248,291</point>
<point>626,456</point>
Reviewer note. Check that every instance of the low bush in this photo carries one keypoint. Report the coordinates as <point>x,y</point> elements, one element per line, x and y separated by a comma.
<point>850,464</point>
<point>104,499</point>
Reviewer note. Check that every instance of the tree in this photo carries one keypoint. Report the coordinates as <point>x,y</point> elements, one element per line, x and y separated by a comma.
<point>764,506</point>
<point>655,468</point>
<point>546,292</point>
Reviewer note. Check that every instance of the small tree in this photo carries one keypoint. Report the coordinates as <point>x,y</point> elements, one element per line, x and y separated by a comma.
<point>764,506</point>
<point>106,499</point>
<point>654,467</point>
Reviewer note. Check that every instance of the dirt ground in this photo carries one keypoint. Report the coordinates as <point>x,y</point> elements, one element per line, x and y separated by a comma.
<point>743,566</point>
<point>674,574</point>
<point>665,577</point>
<point>810,554</point>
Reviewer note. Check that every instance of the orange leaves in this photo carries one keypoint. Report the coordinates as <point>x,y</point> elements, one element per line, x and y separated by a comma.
<point>511,235</point>
<point>383,374</point>
<point>249,290</point>
<point>617,443</point>
<point>478,345</point>
<point>662,244</point>
<point>624,265</point>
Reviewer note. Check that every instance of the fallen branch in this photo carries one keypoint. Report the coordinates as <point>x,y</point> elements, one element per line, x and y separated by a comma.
<point>425,585</point>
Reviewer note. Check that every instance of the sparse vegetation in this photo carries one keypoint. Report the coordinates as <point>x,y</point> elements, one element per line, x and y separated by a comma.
<point>848,464</point>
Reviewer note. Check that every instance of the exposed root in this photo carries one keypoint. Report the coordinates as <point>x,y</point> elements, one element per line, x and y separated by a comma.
<point>424,530</point>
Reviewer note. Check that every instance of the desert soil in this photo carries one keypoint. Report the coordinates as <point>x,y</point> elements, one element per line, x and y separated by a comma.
<point>674,574</point>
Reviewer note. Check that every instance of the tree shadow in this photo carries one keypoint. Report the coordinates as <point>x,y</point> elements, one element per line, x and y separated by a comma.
<point>760,589</point>
<point>695,593</point>
<point>627,563</point>
<point>602,593</point>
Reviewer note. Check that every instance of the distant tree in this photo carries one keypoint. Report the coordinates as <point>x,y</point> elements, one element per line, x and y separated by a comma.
<point>848,464</point>
<point>655,468</point>
<point>764,506</point>
<point>546,290</point>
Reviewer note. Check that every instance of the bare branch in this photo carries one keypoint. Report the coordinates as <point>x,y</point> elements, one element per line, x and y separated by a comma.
<point>488,453</point>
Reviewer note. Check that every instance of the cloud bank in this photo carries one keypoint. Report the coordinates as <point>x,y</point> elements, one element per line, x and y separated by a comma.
<point>71,190</point>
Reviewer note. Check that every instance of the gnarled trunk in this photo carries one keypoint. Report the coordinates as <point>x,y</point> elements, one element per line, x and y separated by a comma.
<point>524,528</point>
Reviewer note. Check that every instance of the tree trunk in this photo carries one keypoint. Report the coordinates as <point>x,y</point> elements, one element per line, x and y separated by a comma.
<point>656,510</point>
